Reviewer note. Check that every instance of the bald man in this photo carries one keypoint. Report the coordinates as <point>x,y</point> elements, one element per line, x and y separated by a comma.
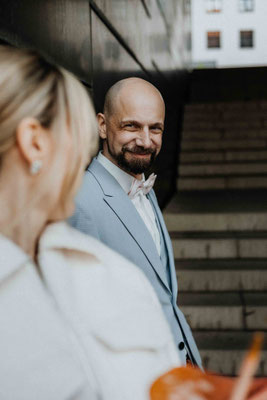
<point>117,206</point>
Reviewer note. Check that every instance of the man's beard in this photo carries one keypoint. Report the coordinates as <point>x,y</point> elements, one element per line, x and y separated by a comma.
<point>135,165</point>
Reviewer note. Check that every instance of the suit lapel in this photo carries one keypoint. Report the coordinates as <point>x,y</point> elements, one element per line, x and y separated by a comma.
<point>121,205</point>
<point>166,236</point>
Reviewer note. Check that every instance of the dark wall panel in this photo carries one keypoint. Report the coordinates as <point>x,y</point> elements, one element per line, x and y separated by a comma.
<point>132,24</point>
<point>111,62</point>
<point>102,41</point>
<point>58,28</point>
<point>155,30</point>
<point>174,90</point>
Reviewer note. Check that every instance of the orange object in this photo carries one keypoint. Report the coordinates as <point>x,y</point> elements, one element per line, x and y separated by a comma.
<point>189,383</point>
<point>186,383</point>
<point>248,369</point>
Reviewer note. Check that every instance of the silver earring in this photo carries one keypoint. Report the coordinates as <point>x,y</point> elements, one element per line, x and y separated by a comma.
<point>35,167</point>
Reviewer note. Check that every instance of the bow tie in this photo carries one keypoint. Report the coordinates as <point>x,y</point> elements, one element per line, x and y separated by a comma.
<point>141,187</point>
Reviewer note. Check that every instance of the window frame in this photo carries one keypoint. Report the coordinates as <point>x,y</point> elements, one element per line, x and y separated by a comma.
<point>245,6</point>
<point>251,39</point>
<point>214,35</point>
<point>213,6</point>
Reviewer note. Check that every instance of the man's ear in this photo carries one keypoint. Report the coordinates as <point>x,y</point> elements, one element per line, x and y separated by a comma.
<point>32,140</point>
<point>102,128</point>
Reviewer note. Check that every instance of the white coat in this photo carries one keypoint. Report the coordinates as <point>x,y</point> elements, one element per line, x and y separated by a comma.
<point>112,318</point>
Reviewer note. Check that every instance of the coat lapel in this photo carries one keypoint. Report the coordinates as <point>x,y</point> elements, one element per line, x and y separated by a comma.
<point>153,200</point>
<point>123,208</point>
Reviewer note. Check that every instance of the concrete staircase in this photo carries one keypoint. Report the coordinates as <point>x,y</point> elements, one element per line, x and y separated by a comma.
<point>224,146</point>
<point>218,225</point>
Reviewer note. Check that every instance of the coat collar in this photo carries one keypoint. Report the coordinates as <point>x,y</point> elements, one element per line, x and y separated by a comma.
<point>60,235</point>
<point>119,202</point>
<point>12,257</point>
<point>124,179</point>
<point>107,182</point>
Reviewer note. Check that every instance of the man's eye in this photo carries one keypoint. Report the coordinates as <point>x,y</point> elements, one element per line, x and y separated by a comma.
<point>129,126</point>
<point>156,129</point>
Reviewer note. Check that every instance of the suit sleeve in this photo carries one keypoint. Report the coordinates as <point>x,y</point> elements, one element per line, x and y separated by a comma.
<point>83,222</point>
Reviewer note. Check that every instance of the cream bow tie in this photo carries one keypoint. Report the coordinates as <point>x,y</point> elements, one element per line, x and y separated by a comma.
<point>141,186</point>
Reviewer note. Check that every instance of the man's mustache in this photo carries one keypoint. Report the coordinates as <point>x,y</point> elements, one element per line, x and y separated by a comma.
<point>138,150</point>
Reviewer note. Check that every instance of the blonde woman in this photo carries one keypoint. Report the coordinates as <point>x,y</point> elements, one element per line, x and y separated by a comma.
<point>67,331</point>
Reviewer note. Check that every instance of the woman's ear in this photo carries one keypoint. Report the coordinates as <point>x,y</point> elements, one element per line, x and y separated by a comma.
<point>102,125</point>
<point>32,140</point>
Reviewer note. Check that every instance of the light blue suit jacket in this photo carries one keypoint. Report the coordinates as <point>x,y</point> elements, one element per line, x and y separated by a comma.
<point>104,210</point>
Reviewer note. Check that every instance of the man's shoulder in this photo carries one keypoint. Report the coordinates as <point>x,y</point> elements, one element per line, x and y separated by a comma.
<point>89,190</point>
<point>97,182</point>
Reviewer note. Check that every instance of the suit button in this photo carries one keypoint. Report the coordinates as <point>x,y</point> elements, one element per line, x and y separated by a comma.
<point>181,346</point>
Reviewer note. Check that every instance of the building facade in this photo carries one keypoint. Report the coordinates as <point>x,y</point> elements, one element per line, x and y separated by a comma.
<point>229,33</point>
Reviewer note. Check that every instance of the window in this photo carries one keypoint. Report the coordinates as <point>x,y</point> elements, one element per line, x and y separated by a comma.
<point>246,39</point>
<point>213,6</point>
<point>214,40</point>
<point>246,5</point>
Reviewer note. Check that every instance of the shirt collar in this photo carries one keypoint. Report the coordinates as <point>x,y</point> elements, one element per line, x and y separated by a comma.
<point>124,179</point>
<point>12,257</point>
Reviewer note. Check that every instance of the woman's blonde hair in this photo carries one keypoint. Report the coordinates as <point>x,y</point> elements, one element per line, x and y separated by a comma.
<point>30,86</point>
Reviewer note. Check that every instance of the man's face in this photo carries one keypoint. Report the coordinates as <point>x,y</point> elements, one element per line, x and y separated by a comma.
<point>134,131</point>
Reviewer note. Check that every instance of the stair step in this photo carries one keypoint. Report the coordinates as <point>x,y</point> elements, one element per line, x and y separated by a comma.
<point>222,183</point>
<point>228,145</point>
<point>230,106</point>
<point>256,310</point>
<point>219,244</point>
<point>229,264</point>
<point>219,248</point>
<point>227,362</point>
<point>223,352</point>
<point>195,116</point>
<point>224,310</point>
<point>219,234</point>
<point>212,311</point>
<point>229,340</point>
<point>249,274</point>
<point>220,155</point>
<point>211,275</point>
<point>234,163</point>
<point>195,134</point>
<point>227,299</point>
<point>226,202</point>
<point>222,169</point>
<point>214,222</point>
<point>221,123</point>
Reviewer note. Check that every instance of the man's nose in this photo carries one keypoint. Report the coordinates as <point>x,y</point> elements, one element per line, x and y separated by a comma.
<point>144,139</point>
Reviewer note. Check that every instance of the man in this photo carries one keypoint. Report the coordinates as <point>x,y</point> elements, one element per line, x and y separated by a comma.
<point>118,208</point>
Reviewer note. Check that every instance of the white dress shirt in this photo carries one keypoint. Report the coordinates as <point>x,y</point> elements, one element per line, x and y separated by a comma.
<point>140,201</point>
